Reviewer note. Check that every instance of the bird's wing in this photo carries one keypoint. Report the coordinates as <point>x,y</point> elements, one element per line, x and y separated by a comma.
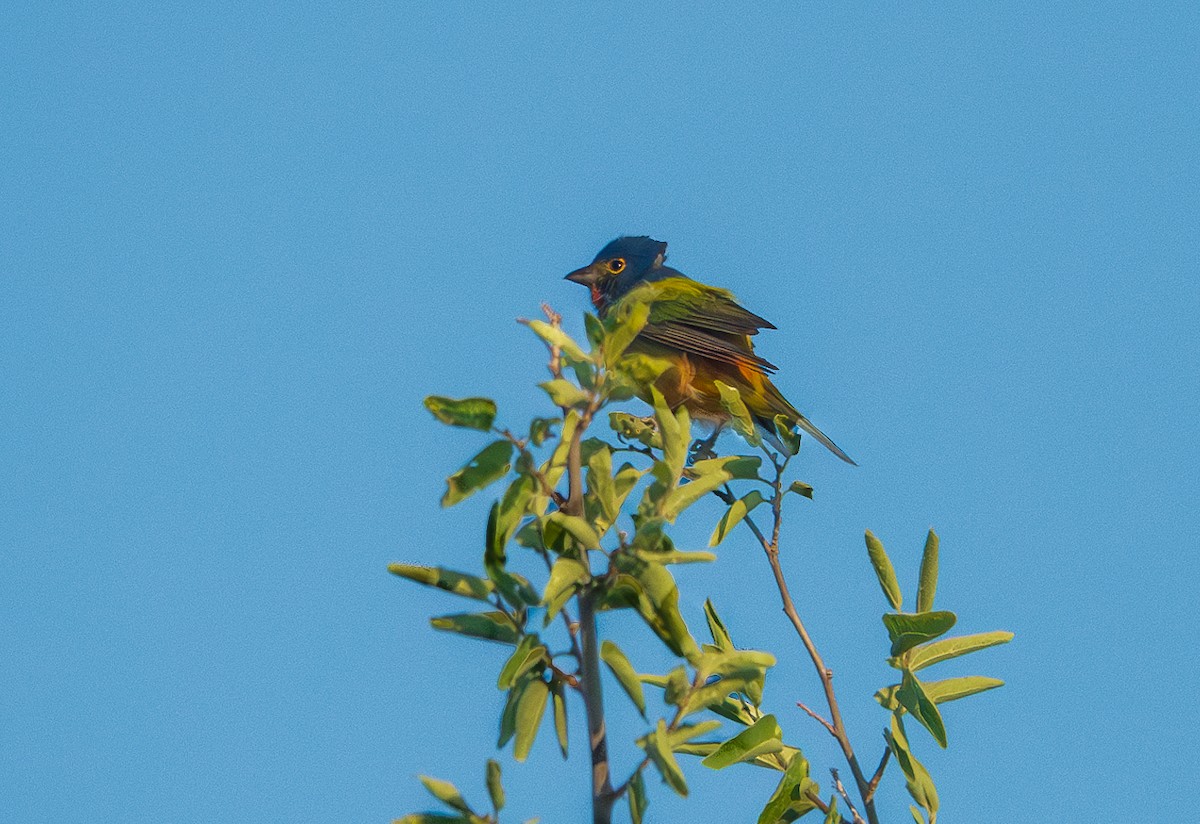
<point>701,320</point>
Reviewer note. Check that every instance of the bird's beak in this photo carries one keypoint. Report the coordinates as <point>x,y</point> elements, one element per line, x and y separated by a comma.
<point>585,276</point>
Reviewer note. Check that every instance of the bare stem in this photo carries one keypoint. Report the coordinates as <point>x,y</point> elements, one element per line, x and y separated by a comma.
<point>834,725</point>
<point>589,648</point>
<point>817,716</point>
<point>874,784</point>
<point>593,703</point>
<point>817,801</point>
<point>841,788</point>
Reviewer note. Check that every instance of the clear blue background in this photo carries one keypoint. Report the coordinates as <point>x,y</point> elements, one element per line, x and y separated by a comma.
<point>239,243</point>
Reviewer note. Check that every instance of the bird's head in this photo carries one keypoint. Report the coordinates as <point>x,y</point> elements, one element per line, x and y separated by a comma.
<point>620,266</point>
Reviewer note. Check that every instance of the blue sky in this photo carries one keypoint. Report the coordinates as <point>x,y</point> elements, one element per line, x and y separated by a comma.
<point>241,243</point>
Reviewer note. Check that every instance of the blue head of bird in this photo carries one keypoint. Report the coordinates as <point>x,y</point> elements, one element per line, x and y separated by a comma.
<point>621,265</point>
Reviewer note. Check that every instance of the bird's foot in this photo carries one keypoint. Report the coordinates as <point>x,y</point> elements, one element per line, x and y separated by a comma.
<point>702,449</point>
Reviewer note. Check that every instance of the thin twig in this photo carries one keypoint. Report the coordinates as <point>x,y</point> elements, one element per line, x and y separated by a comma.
<point>674,725</point>
<point>837,783</point>
<point>817,801</point>
<point>589,648</point>
<point>522,447</point>
<point>564,676</point>
<point>818,718</point>
<point>623,787</point>
<point>570,624</point>
<point>771,548</point>
<point>874,785</point>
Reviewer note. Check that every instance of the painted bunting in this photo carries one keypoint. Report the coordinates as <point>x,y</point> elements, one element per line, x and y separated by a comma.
<point>700,329</point>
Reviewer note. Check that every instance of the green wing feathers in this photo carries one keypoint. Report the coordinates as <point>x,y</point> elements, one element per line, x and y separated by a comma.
<point>706,324</point>
<point>701,320</point>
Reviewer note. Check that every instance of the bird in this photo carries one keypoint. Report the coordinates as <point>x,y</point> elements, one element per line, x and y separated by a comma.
<point>700,329</point>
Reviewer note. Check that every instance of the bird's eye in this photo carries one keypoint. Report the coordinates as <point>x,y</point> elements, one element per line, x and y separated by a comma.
<point>616,265</point>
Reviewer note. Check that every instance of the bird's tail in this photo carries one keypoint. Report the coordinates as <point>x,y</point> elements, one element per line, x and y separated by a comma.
<point>781,406</point>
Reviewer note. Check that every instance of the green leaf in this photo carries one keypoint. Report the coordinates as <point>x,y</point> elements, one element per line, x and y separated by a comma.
<point>530,708</point>
<point>637,798</point>
<point>565,576</point>
<point>632,428</point>
<point>495,788</point>
<point>912,697</point>
<point>735,708</point>
<point>917,779</point>
<point>677,686</point>
<point>703,749</point>
<point>733,662</point>
<point>490,626</point>
<point>445,792</point>
<point>514,506</point>
<point>624,481</point>
<point>706,476</point>
<point>555,336</point>
<point>585,374</point>
<point>470,413</point>
<point>514,588</point>
<point>488,466</point>
<point>577,528</point>
<point>601,484</point>
<point>684,733</point>
<point>594,329</point>
<point>458,583</point>
<point>650,533</point>
<point>739,670</point>
<point>653,679</point>
<point>801,488</point>
<point>940,692</point>
<point>508,718</point>
<point>624,326</point>
<point>787,433</point>
<point>674,556</point>
<point>675,430</point>
<point>590,446</point>
<point>762,737</point>
<point>625,674</point>
<point>636,371</point>
<point>540,430</point>
<point>559,702</point>
<point>916,814</point>
<point>776,761</point>
<point>733,516</point>
<point>435,818</point>
<point>929,573</point>
<point>832,817</point>
<point>739,467</point>
<point>658,603</point>
<point>657,745</point>
<point>716,627</point>
<point>552,470</point>
<point>739,415</point>
<point>906,630</point>
<point>951,689</point>
<point>530,652</point>
<point>786,792</point>
<point>884,571</point>
<point>932,653</point>
<point>564,393</point>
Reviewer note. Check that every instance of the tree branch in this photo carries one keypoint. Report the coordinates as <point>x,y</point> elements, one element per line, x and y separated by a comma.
<point>835,725</point>
<point>874,785</point>
<point>837,783</point>
<point>818,718</point>
<point>589,659</point>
